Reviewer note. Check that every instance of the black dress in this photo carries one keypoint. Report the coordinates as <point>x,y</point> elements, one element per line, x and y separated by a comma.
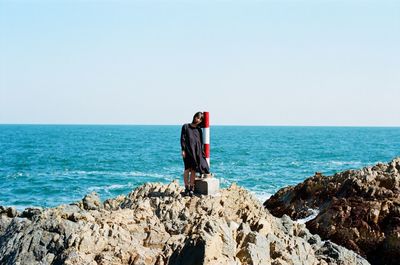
<point>192,144</point>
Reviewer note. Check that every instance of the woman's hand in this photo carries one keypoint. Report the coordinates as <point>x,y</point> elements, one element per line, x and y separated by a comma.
<point>183,154</point>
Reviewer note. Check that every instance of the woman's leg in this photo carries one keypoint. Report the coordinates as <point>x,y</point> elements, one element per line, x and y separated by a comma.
<point>192,178</point>
<point>186,178</point>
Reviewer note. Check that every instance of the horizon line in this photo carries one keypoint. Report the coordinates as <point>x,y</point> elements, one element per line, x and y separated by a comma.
<point>222,125</point>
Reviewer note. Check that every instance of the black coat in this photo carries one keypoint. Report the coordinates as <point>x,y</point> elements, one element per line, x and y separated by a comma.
<point>192,144</point>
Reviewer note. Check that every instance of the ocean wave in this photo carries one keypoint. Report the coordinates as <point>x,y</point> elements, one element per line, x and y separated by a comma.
<point>107,173</point>
<point>345,163</point>
<point>326,163</point>
<point>17,175</point>
<point>336,163</point>
<point>108,188</point>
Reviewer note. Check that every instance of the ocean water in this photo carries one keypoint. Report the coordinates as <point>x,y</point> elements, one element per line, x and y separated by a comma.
<point>48,165</point>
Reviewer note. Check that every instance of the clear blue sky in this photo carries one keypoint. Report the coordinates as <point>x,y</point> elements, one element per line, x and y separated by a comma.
<point>158,62</point>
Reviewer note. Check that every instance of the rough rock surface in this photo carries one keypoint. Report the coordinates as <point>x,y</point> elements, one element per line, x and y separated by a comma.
<point>359,209</point>
<point>155,224</point>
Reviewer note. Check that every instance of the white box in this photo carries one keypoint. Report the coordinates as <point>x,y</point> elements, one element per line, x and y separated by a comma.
<point>206,186</point>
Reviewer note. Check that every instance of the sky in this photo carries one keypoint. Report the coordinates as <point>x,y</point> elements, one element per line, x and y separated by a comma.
<point>300,63</point>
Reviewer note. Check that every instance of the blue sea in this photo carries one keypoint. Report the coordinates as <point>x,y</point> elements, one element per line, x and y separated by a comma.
<point>48,165</point>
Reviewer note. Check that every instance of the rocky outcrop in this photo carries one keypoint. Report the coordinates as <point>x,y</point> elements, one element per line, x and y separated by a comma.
<point>359,209</point>
<point>155,224</point>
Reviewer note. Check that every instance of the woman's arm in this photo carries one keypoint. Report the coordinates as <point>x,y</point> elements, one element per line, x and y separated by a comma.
<point>183,138</point>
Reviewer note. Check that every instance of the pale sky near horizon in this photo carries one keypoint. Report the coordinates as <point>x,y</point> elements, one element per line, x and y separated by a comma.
<point>159,62</point>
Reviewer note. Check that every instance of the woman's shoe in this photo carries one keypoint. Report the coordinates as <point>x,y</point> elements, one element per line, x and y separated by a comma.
<point>191,191</point>
<point>187,191</point>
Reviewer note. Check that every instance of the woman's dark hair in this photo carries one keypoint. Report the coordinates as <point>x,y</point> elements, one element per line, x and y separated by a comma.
<point>199,115</point>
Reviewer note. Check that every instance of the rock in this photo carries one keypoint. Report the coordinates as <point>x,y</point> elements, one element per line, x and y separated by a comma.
<point>359,209</point>
<point>8,211</point>
<point>154,224</point>
<point>91,201</point>
<point>31,212</point>
<point>254,249</point>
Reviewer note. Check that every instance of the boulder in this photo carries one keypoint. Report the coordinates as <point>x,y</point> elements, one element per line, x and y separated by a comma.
<point>359,209</point>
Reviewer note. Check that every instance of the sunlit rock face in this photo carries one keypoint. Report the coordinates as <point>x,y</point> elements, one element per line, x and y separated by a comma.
<point>156,224</point>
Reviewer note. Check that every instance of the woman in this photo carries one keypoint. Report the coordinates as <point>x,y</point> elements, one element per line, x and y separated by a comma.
<point>192,152</point>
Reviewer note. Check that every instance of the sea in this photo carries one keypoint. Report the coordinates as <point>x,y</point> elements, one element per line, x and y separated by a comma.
<point>49,165</point>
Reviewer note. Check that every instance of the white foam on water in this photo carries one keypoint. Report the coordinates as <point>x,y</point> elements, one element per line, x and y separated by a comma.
<point>108,188</point>
<point>333,163</point>
<point>21,208</point>
<point>314,214</point>
<point>261,196</point>
<point>117,186</point>
<point>344,163</point>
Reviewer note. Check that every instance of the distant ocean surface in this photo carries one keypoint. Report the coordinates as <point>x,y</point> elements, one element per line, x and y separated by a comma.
<point>48,165</point>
